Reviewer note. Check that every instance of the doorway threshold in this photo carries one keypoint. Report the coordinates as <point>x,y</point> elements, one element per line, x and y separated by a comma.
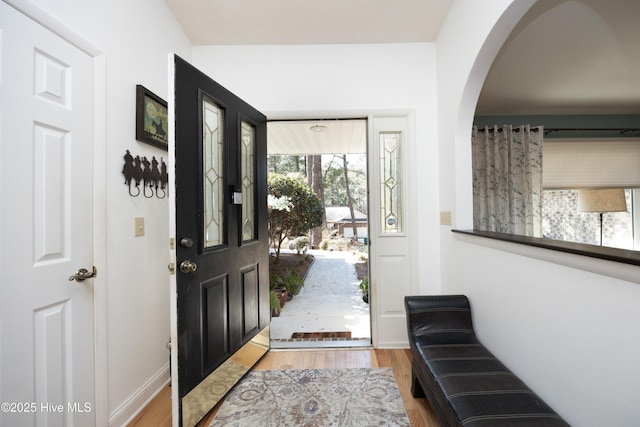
<point>293,343</point>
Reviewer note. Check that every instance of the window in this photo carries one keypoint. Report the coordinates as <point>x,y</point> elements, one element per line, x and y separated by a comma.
<point>391,180</point>
<point>561,220</point>
<point>570,164</point>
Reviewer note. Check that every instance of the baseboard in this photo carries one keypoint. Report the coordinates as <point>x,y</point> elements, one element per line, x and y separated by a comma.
<point>131,407</point>
<point>395,345</point>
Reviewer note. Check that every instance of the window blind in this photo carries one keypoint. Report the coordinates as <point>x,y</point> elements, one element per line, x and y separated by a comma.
<point>571,164</point>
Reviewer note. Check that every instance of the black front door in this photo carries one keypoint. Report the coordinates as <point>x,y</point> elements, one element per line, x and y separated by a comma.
<point>222,288</point>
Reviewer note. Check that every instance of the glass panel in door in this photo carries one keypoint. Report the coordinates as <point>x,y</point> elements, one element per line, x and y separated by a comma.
<point>213,163</point>
<point>391,180</point>
<point>247,161</point>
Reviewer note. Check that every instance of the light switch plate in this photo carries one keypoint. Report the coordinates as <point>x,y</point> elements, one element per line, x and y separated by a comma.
<point>138,230</point>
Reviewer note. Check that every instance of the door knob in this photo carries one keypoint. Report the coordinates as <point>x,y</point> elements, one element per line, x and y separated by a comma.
<point>188,266</point>
<point>186,242</point>
<point>82,274</point>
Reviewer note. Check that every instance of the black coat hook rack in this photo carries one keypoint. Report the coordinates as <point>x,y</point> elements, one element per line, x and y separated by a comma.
<point>152,173</point>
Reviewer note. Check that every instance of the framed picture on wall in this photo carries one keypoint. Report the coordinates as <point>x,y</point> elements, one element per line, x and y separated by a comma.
<point>152,118</point>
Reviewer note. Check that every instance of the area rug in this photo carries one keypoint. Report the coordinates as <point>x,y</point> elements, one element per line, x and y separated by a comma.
<point>314,398</point>
<point>321,335</point>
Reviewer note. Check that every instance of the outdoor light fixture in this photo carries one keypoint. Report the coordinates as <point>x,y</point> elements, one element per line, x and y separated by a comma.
<point>318,128</point>
<point>601,201</point>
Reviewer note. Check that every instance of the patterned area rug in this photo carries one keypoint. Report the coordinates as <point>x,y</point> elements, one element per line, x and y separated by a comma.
<point>314,398</point>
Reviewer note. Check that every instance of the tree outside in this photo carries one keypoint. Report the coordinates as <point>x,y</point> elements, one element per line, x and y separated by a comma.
<point>295,209</point>
<point>332,179</point>
<point>338,180</point>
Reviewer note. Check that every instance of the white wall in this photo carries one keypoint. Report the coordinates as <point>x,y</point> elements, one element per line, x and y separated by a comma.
<point>138,276</point>
<point>567,325</point>
<point>136,37</point>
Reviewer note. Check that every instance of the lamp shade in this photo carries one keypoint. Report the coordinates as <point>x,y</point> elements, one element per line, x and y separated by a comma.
<point>602,200</point>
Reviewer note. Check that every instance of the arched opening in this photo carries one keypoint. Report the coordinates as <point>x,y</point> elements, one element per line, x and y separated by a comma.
<point>578,80</point>
<point>463,120</point>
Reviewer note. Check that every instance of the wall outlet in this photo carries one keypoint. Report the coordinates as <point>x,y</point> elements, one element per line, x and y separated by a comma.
<point>138,224</point>
<point>445,218</point>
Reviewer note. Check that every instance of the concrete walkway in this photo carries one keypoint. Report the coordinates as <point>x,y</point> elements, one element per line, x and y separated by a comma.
<point>330,301</point>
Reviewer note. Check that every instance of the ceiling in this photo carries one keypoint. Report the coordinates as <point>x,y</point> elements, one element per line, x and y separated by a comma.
<point>568,57</point>
<point>254,22</point>
<point>564,57</point>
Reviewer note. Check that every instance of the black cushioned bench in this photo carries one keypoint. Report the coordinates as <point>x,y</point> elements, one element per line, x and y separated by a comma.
<point>465,384</point>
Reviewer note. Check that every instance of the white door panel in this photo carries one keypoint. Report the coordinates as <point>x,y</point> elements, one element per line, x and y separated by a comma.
<point>390,229</point>
<point>46,320</point>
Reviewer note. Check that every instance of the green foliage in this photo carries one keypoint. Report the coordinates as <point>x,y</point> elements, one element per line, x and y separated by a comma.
<point>274,301</point>
<point>333,176</point>
<point>300,245</point>
<point>334,186</point>
<point>364,286</point>
<point>289,280</point>
<point>305,213</point>
<point>285,164</point>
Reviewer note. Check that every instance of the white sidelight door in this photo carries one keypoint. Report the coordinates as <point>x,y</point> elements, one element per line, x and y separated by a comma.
<point>390,228</point>
<point>46,227</point>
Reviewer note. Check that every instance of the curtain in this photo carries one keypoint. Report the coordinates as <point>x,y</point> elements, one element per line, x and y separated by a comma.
<point>507,179</point>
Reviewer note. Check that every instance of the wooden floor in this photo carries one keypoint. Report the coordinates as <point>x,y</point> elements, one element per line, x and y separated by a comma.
<point>158,412</point>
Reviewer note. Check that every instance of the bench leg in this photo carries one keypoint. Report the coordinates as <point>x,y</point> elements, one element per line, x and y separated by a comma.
<point>416,387</point>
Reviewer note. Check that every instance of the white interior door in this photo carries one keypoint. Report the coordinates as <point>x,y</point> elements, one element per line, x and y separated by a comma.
<point>46,320</point>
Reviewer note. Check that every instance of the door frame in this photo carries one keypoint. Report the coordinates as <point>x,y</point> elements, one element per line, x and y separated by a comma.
<point>44,19</point>
<point>368,147</point>
<point>380,332</point>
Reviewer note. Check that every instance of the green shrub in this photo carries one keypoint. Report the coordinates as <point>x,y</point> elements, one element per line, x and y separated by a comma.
<point>300,244</point>
<point>364,286</point>
<point>304,210</point>
<point>274,301</point>
<point>289,280</point>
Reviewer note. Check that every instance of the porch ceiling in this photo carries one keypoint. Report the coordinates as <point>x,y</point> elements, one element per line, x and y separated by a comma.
<point>297,137</point>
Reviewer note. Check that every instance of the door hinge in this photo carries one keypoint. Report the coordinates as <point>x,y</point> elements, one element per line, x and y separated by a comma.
<point>172,243</point>
<point>172,268</point>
